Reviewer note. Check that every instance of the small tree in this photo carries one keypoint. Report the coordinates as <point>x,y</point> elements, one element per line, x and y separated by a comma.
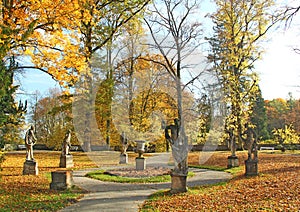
<point>286,136</point>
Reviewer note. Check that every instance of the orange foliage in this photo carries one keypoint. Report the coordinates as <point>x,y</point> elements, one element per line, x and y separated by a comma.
<point>41,29</point>
<point>277,188</point>
<point>16,189</point>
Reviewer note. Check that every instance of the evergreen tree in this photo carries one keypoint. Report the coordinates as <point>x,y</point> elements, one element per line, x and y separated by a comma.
<point>259,117</point>
<point>11,114</point>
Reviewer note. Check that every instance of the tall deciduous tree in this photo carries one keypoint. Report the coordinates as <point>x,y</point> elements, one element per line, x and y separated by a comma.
<point>239,26</point>
<point>101,20</point>
<point>62,36</point>
<point>143,91</point>
<point>175,31</point>
<point>52,117</point>
<point>276,110</point>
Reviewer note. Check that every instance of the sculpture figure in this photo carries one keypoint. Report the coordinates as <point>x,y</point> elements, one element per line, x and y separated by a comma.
<point>125,143</point>
<point>179,150</point>
<point>66,144</point>
<point>30,141</point>
<point>251,143</point>
<point>174,132</point>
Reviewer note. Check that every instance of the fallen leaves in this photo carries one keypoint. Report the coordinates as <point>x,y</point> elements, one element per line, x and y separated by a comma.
<point>32,193</point>
<point>277,188</point>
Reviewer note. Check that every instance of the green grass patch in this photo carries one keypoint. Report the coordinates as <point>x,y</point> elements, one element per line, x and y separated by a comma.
<point>234,171</point>
<point>47,201</point>
<point>101,175</point>
<point>48,176</point>
<point>214,168</point>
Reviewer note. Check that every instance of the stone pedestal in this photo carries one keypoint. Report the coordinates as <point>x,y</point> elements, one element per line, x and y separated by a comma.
<point>140,163</point>
<point>123,158</point>
<point>66,161</point>
<point>251,167</point>
<point>61,180</point>
<point>178,183</point>
<point>30,168</point>
<point>233,161</point>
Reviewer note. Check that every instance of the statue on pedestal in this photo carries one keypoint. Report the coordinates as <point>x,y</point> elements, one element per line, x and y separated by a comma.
<point>66,145</point>
<point>30,141</point>
<point>251,143</point>
<point>66,159</point>
<point>252,162</point>
<point>30,165</point>
<point>125,143</point>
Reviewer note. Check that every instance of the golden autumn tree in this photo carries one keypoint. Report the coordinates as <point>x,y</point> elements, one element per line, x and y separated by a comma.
<point>15,28</point>
<point>52,116</point>
<point>114,55</point>
<point>40,29</point>
<point>62,36</point>
<point>144,91</point>
<point>238,27</point>
<point>101,21</point>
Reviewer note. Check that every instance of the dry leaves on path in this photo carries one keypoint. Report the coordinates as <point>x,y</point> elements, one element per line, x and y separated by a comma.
<point>277,188</point>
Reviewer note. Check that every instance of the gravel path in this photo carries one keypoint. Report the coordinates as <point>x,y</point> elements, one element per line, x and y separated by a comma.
<point>108,196</point>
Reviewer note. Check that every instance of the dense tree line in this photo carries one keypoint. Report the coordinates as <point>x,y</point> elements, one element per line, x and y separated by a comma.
<point>101,44</point>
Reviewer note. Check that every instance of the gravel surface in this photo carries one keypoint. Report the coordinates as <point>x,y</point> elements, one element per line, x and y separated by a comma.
<point>132,172</point>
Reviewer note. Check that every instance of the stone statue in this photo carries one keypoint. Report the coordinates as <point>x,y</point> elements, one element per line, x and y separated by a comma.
<point>66,145</point>
<point>30,141</point>
<point>124,142</point>
<point>174,132</point>
<point>179,149</point>
<point>251,143</point>
<point>251,163</point>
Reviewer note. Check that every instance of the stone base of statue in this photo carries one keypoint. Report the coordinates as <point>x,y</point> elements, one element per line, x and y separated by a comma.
<point>233,161</point>
<point>178,183</point>
<point>61,180</point>
<point>251,167</point>
<point>66,161</point>
<point>30,168</point>
<point>140,163</point>
<point>123,158</point>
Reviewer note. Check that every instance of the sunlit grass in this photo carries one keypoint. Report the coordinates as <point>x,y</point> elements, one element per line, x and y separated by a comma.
<point>32,193</point>
<point>103,176</point>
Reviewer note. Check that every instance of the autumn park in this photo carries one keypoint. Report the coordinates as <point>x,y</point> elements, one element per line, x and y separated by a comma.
<point>159,107</point>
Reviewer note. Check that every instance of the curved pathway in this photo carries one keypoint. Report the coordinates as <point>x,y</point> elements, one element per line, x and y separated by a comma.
<point>109,196</point>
